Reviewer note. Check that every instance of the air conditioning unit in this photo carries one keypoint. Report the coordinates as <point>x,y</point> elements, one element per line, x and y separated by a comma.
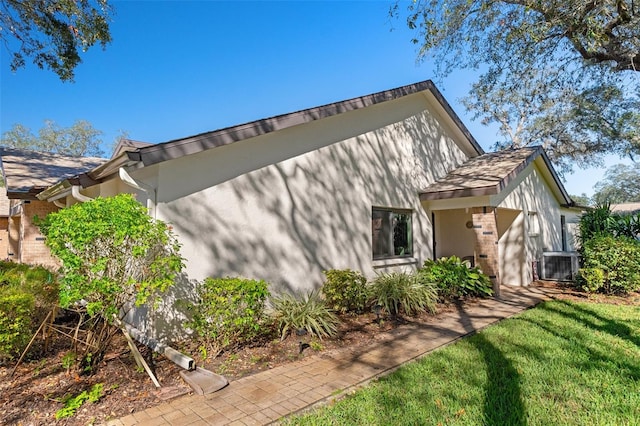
<point>559,265</point>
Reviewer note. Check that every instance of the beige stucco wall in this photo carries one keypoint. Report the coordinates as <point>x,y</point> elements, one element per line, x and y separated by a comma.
<point>532,195</point>
<point>287,205</point>
<point>452,235</point>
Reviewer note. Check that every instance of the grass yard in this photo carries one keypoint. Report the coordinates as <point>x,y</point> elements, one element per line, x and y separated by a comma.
<point>562,363</point>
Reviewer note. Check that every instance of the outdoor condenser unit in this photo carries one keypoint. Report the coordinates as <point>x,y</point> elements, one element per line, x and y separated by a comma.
<point>559,265</point>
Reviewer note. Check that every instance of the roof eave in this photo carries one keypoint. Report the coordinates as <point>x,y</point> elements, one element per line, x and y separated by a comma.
<point>460,193</point>
<point>204,141</point>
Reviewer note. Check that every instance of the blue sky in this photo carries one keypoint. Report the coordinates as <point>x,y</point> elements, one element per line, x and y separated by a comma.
<point>179,68</point>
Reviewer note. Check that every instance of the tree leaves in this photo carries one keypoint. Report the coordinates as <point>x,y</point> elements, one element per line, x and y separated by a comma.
<point>80,139</point>
<point>53,33</point>
<point>559,74</point>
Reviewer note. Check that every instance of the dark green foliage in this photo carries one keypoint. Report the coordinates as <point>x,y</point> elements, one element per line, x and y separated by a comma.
<point>230,312</point>
<point>403,292</point>
<point>53,33</point>
<point>16,308</point>
<point>308,313</point>
<point>619,260</point>
<point>455,278</point>
<point>345,290</point>
<point>602,221</point>
<point>27,294</point>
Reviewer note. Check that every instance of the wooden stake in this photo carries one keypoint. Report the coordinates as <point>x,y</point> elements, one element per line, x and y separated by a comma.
<point>139,358</point>
<point>30,343</point>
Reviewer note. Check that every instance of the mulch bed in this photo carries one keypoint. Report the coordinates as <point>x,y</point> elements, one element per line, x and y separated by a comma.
<point>38,387</point>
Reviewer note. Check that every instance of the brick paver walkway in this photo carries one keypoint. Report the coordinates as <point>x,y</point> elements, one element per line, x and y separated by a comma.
<point>270,395</point>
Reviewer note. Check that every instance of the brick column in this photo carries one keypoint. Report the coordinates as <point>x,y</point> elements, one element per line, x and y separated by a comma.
<point>486,243</point>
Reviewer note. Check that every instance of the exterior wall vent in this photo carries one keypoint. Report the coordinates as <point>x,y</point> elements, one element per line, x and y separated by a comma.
<point>559,265</point>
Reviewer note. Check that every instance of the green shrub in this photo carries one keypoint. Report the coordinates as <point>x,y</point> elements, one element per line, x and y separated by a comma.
<point>455,278</point>
<point>27,295</point>
<point>16,309</point>
<point>345,290</point>
<point>618,258</point>
<point>113,253</point>
<point>590,279</point>
<point>308,313</point>
<point>401,291</point>
<point>602,221</point>
<point>230,312</point>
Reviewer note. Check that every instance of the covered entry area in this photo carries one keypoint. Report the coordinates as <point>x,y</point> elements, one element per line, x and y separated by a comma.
<point>491,238</point>
<point>502,211</point>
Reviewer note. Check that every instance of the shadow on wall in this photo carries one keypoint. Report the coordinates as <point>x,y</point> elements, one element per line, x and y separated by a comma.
<point>287,222</point>
<point>166,320</point>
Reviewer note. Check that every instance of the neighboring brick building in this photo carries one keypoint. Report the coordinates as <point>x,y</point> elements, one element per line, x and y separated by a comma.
<point>26,173</point>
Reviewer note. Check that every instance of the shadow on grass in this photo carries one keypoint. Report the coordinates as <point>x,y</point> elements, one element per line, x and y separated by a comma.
<point>594,320</point>
<point>580,314</point>
<point>503,403</point>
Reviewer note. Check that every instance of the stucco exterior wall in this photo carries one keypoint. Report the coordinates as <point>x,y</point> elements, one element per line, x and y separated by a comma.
<point>453,235</point>
<point>285,206</point>
<point>540,221</point>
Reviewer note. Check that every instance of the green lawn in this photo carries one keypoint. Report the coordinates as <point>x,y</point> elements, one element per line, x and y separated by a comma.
<point>562,363</point>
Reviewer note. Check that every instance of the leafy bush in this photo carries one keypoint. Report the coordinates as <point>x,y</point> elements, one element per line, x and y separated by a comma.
<point>308,313</point>
<point>455,278</point>
<point>590,279</point>
<point>345,290</point>
<point>401,291</point>
<point>618,258</point>
<point>16,309</point>
<point>27,295</point>
<point>230,312</point>
<point>113,254</point>
<point>601,221</point>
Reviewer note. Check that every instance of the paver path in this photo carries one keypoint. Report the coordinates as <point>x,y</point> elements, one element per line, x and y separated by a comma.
<point>270,395</point>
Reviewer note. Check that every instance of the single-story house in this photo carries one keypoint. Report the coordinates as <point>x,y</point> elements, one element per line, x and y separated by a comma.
<point>376,183</point>
<point>25,174</point>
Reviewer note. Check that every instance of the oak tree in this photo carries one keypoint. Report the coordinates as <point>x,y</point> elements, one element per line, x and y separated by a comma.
<point>53,33</point>
<point>621,184</point>
<point>553,71</point>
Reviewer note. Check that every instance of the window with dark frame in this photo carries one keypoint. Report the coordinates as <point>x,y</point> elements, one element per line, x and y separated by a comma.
<point>391,233</point>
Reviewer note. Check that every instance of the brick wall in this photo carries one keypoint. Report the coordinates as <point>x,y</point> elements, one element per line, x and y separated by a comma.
<point>33,249</point>
<point>486,243</point>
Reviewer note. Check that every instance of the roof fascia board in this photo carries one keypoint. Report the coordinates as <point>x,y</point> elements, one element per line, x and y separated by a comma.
<point>204,141</point>
<point>460,193</point>
<point>458,203</point>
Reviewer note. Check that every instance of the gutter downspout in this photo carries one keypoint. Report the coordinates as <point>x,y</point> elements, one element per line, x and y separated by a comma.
<point>152,194</point>
<point>75,193</point>
<point>59,204</point>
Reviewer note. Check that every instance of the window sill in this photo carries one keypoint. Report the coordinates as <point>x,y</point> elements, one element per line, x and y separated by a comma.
<point>396,261</point>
